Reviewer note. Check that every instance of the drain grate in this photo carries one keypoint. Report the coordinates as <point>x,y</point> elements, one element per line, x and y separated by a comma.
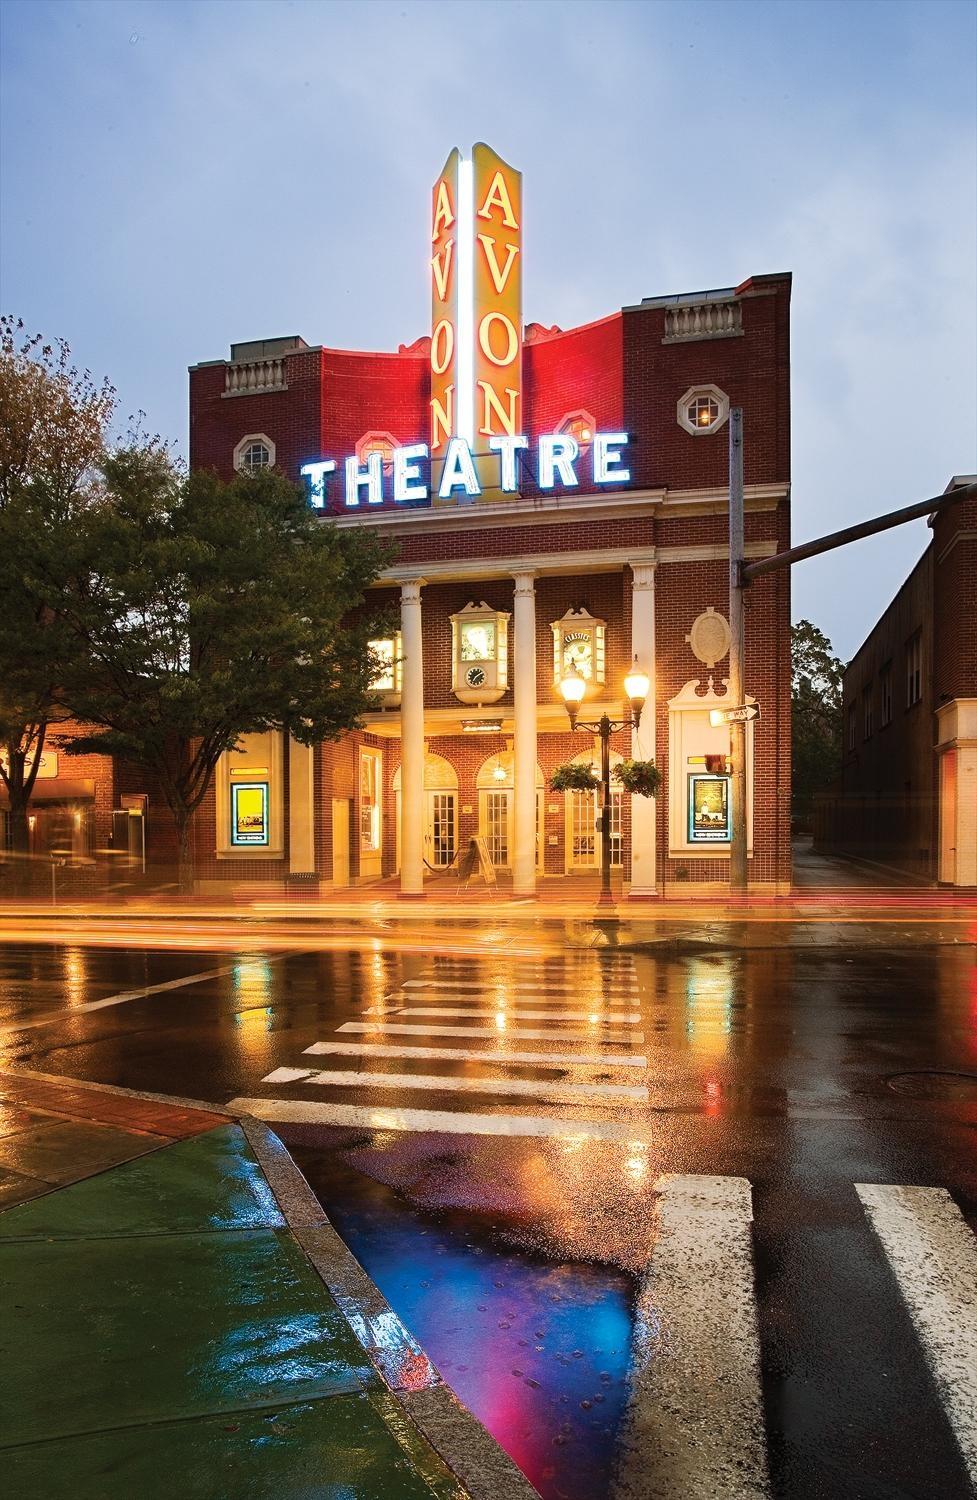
<point>935,1083</point>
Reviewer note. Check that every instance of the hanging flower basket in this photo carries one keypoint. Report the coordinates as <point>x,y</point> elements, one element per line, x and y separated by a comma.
<point>641,778</point>
<point>573,777</point>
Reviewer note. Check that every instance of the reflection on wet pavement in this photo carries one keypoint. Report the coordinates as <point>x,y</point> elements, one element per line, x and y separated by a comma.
<point>537,1349</point>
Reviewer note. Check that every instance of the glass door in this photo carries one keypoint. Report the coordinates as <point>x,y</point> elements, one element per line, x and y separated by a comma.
<point>496,814</point>
<point>583,830</point>
<point>441,829</point>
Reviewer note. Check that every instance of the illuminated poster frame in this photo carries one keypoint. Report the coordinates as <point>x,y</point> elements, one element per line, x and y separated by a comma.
<point>709,809</point>
<point>249,815</point>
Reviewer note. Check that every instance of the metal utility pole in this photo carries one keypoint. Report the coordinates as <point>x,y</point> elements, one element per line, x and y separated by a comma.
<point>737,729</point>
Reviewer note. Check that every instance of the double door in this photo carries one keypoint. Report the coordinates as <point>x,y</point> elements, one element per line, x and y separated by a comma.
<point>583,831</point>
<point>496,824</point>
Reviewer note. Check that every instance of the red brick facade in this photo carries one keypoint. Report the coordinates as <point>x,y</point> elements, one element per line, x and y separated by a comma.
<point>628,372</point>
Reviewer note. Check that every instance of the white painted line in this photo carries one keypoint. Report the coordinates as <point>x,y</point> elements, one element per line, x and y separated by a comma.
<point>565,1093</point>
<point>694,1425</point>
<point>474,1013</point>
<point>407,1028</point>
<point>517,986</point>
<point>933,1254</point>
<point>445,1121</point>
<point>470,1054</point>
<point>50,1017</point>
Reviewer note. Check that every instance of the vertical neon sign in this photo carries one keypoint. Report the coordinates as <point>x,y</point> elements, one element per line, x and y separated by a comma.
<point>476,325</point>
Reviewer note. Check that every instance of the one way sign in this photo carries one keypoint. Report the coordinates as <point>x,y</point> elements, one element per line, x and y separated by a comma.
<point>741,715</point>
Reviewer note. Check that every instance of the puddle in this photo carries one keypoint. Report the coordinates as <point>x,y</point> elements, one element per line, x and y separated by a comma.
<point>537,1349</point>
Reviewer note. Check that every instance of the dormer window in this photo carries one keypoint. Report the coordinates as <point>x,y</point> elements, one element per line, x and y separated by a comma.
<point>579,641</point>
<point>387,683</point>
<point>480,653</point>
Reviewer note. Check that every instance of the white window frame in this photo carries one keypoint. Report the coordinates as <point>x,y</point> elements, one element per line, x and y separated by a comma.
<point>371,841</point>
<point>711,393</point>
<point>242,447</point>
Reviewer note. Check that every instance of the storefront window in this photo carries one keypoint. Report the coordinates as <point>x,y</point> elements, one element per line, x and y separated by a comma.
<point>369,800</point>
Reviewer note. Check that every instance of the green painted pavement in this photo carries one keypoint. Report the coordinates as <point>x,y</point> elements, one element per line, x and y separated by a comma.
<point>210,1181</point>
<point>340,1449</point>
<point>163,1333</point>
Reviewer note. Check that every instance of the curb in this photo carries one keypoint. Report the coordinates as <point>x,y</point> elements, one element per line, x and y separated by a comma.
<point>474,1457</point>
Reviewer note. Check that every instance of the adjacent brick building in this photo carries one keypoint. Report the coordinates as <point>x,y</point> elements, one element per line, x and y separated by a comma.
<point>907,792</point>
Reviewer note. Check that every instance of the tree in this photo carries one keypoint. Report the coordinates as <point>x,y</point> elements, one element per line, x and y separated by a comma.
<point>53,425</point>
<point>212,611</point>
<point>816,714</point>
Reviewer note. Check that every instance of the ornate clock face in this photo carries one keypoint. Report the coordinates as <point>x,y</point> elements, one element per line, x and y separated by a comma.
<point>475,677</point>
<point>578,651</point>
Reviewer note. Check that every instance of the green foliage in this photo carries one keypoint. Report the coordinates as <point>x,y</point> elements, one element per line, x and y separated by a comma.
<point>573,777</point>
<point>816,715</point>
<point>641,778</point>
<point>53,424</point>
<point>212,611</point>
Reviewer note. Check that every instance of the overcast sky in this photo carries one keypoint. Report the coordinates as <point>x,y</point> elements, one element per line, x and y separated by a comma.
<point>177,175</point>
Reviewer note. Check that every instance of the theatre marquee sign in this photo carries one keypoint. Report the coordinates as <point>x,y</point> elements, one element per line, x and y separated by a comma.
<point>476,444</point>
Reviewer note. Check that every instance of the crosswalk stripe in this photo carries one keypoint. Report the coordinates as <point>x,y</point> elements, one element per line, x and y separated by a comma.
<point>608,1018</point>
<point>408,1028</point>
<point>933,1255</point>
<point>694,1422</point>
<point>469,1054</point>
<point>440,1121</point>
<point>564,1093</point>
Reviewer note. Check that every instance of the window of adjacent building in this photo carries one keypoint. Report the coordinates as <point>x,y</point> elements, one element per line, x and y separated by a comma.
<point>852,727</point>
<point>369,800</point>
<point>868,710</point>
<point>703,409</point>
<point>914,669</point>
<point>387,650</point>
<point>579,642</point>
<point>885,684</point>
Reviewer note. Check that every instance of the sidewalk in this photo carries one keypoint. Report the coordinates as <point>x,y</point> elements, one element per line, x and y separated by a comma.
<point>177,1325</point>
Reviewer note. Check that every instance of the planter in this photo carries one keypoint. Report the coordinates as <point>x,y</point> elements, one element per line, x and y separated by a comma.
<point>641,778</point>
<point>573,777</point>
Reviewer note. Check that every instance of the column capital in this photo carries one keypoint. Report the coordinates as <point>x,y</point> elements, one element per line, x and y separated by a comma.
<point>410,590</point>
<point>642,576</point>
<point>524,581</point>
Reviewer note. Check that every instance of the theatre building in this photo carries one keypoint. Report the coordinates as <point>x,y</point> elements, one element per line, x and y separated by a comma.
<point>557,502</point>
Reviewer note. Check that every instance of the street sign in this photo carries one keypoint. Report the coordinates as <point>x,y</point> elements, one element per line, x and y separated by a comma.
<point>741,715</point>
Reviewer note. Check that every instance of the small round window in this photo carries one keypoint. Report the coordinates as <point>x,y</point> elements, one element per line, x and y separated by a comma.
<point>703,409</point>
<point>254,457</point>
<point>704,412</point>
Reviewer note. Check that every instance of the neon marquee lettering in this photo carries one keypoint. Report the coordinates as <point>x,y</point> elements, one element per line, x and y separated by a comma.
<point>558,461</point>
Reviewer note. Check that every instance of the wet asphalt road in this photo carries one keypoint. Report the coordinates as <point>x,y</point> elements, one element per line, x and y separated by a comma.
<point>804,1071</point>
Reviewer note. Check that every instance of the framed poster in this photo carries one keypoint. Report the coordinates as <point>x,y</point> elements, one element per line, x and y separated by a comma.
<point>249,813</point>
<point>709,821</point>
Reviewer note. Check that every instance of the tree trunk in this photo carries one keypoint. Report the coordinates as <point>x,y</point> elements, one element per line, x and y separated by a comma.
<point>185,863</point>
<point>20,785</point>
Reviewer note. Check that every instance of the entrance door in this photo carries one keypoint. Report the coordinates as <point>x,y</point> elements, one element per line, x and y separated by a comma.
<point>948,817</point>
<point>440,835</point>
<point>583,833</point>
<point>496,821</point>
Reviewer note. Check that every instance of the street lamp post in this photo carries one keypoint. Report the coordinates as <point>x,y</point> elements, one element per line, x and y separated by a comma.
<point>573,686</point>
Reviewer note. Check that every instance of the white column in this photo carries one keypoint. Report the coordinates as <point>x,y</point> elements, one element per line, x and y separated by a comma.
<point>643,809</point>
<point>524,738</point>
<point>411,741</point>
